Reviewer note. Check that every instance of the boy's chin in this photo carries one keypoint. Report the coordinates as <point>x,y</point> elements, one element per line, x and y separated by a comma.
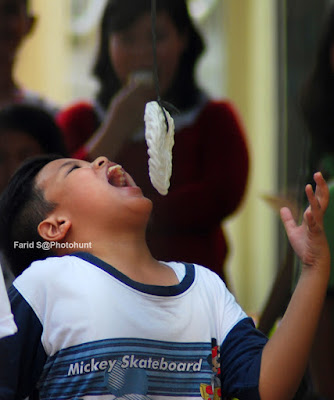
<point>147,208</point>
<point>141,207</point>
<point>148,205</point>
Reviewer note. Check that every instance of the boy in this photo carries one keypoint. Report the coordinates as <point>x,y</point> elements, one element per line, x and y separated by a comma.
<point>113,322</point>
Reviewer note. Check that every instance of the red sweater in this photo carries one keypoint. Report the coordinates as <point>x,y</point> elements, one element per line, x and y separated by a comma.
<point>209,177</point>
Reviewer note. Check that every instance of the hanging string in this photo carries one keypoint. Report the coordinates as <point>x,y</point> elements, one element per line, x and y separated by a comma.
<point>155,62</point>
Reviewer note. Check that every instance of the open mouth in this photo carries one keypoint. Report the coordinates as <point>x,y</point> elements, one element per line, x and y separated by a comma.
<point>116,176</point>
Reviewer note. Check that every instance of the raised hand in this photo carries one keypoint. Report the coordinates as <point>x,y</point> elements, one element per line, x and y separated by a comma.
<point>308,239</point>
<point>131,98</point>
<point>118,127</point>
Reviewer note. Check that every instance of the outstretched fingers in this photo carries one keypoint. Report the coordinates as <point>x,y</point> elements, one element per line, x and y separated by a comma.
<point>307,238</point>
<point>321,191</point>
<point>287,219</point>
<point>318,202</point>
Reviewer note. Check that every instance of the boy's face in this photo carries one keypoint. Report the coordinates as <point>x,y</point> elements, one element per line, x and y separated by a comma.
<point>100,191</point>
<point>15,24</point>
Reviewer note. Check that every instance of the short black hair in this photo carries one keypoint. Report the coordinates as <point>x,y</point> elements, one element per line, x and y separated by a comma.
<point>35,122</point>
<point>118,15</point>
<point>22,208</point>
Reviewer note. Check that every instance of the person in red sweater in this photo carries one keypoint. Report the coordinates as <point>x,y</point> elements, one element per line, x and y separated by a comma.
<point>210,155</point>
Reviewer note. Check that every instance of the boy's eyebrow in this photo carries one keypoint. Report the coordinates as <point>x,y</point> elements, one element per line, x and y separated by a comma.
<point>66,163</point>
<point>69,162</point>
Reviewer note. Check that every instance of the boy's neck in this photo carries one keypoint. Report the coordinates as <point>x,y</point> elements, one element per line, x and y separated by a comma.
<point>134,260</point>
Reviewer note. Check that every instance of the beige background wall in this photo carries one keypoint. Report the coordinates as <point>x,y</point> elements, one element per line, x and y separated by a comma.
<point>251,83</point>
<point>44,57</point>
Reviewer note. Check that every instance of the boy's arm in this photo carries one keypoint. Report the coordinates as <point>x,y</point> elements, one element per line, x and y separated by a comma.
<point>285,356</point>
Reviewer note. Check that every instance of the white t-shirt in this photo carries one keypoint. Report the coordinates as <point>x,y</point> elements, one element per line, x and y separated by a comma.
<point>86,331</point>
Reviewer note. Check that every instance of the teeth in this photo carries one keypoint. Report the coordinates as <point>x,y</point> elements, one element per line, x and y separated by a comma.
<point>116,166</point>
<point>121,181</point>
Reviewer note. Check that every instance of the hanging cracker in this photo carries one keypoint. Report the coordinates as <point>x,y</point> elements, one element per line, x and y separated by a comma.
<point>160,143</point>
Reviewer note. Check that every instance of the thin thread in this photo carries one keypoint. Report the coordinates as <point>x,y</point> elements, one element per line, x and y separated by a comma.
<point>155,62</point>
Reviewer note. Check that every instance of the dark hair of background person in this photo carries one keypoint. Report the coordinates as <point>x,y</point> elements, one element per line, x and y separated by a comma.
<point>35,122</point>
<point>120,14</point>
<point>317,96</point>
<point>22,208</point>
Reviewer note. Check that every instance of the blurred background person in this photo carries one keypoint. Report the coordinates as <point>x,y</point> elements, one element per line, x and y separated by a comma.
<point>317,105</point>
<point>317,111</point>
<point>210,155</point>
<point>16,23</point>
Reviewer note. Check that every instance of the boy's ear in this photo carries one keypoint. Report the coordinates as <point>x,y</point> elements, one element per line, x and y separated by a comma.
<point>54,229</point>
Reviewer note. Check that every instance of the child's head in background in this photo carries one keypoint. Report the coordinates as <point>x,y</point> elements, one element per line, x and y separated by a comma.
<point>25,131</point>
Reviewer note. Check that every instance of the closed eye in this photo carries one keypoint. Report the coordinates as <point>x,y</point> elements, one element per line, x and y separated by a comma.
<point>75,166</point>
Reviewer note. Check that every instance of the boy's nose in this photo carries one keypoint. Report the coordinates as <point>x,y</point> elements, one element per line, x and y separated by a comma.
<point>100,162</point>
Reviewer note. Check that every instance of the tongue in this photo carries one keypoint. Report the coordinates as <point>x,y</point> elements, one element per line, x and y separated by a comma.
<point>117,179</point>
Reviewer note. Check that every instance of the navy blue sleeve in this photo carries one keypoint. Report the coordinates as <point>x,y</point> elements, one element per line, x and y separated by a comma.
<point>240,360</point>
<point>22,355</point>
